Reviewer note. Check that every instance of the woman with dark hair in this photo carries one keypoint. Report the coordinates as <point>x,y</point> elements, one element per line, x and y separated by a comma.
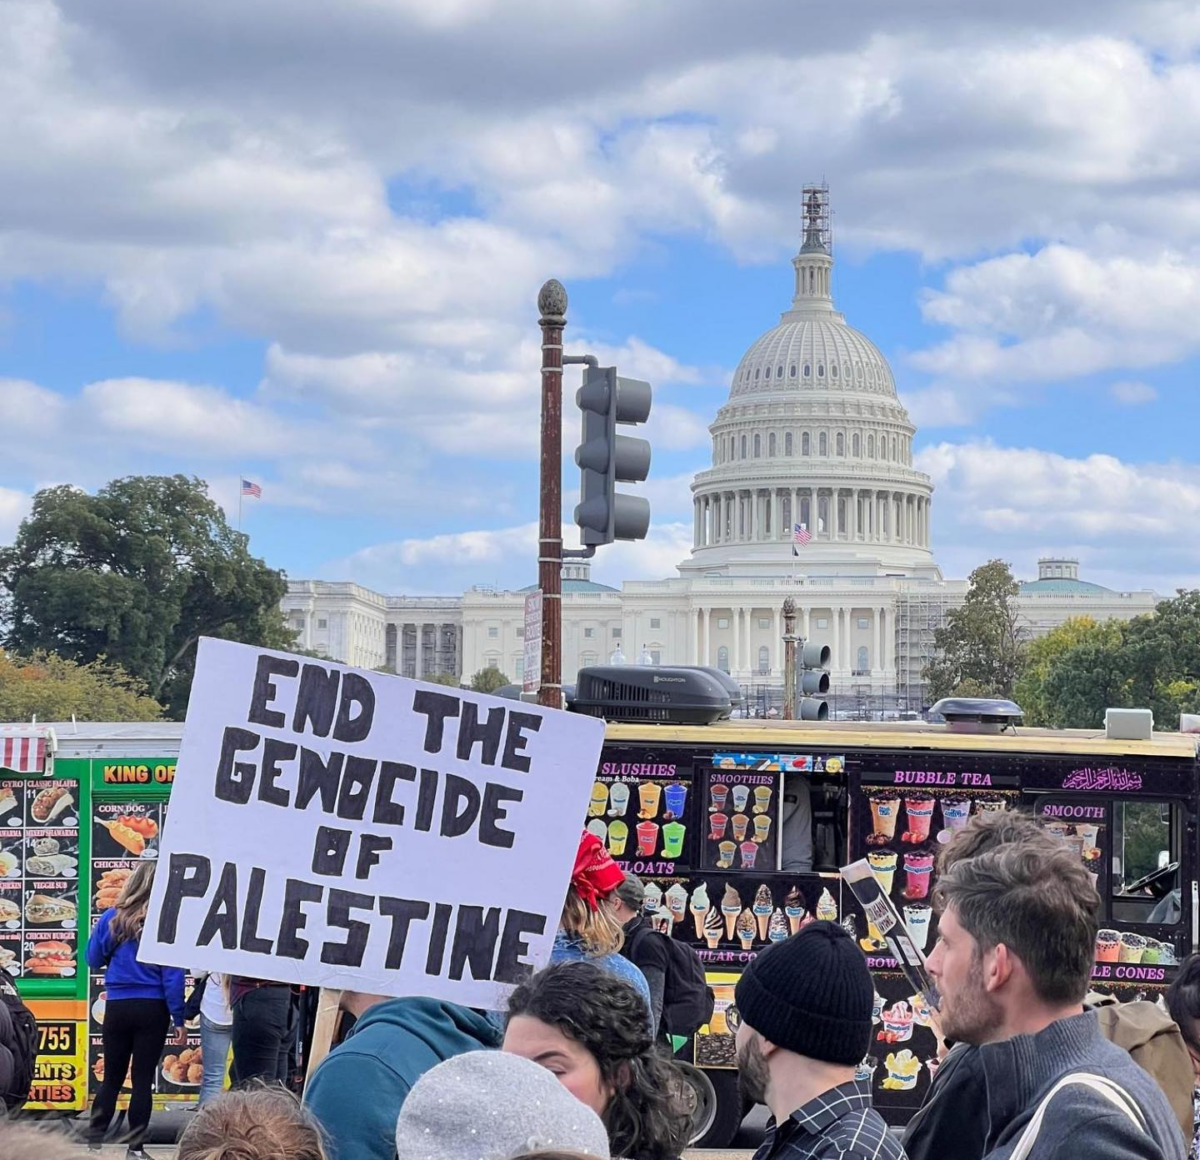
<point>589,1029</point>
<point>141,1003</point>
<point>1183,1002</point>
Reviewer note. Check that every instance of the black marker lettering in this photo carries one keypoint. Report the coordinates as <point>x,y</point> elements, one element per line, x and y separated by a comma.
<point>330,850</point>
<point>460,805</point>
<point>436,707</point>
<point>356,694</point>
<point>295,893</point>
<point>263,692</point>
<point>251,940</point>
<point>493,813</point>
<point>475,942</point>
<point>369,848</point>
<point>356,788</point>
<point>472,733</point>
<point>401,911</point>
<point>273,753</point>
<point>316,701</point>
<point>515,740</point>
<point>387,811</point>
<point>222,911</point>
<point>511,966</point>
<point>437,938</point>
<point>188,876</point>
<point>318,777</point>
<point>426,800</point>
<point>235,779</point>
<point>349,953</point>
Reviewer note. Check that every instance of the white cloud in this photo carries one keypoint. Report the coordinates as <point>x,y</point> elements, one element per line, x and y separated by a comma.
<point>14,507</point>
<point>1132,393</point>
<point>1133,524</point>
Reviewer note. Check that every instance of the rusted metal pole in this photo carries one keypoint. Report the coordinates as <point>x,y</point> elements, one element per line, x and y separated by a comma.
<point>552,303</point>
<point>789,659</point>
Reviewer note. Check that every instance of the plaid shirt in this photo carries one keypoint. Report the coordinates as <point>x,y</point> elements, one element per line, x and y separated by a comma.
<point>840,1124</point>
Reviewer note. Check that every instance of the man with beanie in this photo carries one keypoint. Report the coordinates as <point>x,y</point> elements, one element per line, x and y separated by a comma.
<point>803,1019</point>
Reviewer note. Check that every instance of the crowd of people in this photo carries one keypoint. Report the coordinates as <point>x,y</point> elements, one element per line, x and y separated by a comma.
<point>577,1065</point>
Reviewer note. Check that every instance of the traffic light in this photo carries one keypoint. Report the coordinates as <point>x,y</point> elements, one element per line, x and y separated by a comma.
<point>606,458</point>
<point>814,682</point>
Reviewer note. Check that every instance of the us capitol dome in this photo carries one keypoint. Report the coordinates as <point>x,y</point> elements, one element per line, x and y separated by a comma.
<point>812,445</point>
<point>813,436</point>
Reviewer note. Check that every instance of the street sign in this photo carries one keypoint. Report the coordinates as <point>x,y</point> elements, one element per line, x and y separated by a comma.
<point>531,679</point>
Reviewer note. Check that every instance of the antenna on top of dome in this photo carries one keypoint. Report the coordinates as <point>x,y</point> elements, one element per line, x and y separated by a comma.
<point>818,235</point>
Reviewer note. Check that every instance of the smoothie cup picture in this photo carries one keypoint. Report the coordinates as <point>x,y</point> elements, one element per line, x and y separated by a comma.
<point>716,827</point>
<point>599,801</point>
<point>1055,829</point>
<point>618,836</point>
<point>920,815</point>
<point>918,869</point>
<point>649,796</point>
<point>597,827</point>
<point>1108,946</point>
<point>673,833</point>
<point>741,797</point>
<point>720,795</point>
<point>726,851</point>
<point>1133,947</point>
<point>762,799</point>
<point>676,796</point>
<point>883,815</point>
<point>647,839</point>
<point>883,866</point>
<point>916,918</point>
<point>741,824</point>
<point>749,853</point>
<point>618,799</point>
<point>762,828</point>
<point>1089,834</point>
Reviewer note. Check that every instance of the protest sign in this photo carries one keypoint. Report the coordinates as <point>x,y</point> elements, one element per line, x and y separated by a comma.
<point>345,829</point>
<point>881,912</point>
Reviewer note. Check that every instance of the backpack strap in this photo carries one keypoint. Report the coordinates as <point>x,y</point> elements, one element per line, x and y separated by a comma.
<point>1099,1084</point>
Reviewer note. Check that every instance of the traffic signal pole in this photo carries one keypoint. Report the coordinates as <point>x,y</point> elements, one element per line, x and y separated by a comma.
<point>552,303</point>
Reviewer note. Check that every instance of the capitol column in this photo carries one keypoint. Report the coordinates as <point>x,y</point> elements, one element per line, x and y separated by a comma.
<point>878,650</point>
<point>709,652</point>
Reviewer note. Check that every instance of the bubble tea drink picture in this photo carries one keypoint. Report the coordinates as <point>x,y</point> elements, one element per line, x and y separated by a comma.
<point>920,815</point>
<point>956,813</point>
<point>884,812</point>
<point>918,871</point>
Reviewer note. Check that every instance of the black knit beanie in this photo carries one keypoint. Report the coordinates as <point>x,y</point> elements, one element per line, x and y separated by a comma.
<point>811,994</point>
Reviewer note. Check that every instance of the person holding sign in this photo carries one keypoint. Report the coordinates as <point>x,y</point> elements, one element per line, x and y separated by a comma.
<point>142,1002</point>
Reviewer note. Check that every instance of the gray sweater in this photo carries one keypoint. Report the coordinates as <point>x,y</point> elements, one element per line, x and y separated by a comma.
<point>1080,1122</point>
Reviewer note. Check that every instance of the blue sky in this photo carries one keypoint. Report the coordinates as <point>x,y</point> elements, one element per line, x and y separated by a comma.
<point>312,259</point>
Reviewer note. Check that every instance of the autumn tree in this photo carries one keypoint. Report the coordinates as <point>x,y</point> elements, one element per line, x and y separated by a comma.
<point>979,648</point>
<point>53,688</point>
<point>1054,687</point>
<point>136,573</point>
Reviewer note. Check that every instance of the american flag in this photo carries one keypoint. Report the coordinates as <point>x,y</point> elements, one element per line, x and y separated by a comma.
<point>253,489</point>
<point>801,535</point>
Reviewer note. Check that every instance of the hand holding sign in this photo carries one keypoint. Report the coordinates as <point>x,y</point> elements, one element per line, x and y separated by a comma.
<point>345,829</point>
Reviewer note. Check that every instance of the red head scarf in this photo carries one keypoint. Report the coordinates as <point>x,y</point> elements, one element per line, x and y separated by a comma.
<point>596,874</point>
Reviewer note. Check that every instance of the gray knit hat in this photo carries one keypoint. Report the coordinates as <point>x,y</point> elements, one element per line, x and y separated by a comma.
<point>489,1105</point>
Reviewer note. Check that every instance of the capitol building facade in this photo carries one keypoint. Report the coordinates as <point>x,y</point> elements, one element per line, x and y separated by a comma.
<point>813,436</point>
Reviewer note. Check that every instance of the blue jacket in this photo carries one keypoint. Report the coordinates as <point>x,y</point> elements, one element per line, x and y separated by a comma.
<point>360,1086</point>
<point>125,977</point>
<point>570,950</point>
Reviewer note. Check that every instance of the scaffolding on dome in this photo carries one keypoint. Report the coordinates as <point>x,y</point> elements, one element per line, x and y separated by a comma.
<point>818,227</point>
<point>920,612</point>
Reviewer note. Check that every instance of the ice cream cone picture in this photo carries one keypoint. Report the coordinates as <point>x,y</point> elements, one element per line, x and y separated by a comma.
<point>731,907</point>
<point>713,928</point>
<point>827,910</point>
<point>763,905</point>
<point>746,928</point>
<point>700,907</point>
<point>777,928</point>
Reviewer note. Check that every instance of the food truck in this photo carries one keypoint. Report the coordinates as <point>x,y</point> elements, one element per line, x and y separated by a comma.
<point>695,810</point>
<point>79,803</point>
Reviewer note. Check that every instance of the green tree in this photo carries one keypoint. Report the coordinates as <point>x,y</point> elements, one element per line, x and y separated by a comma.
<point>1040,689</point>
<point>445,679</point>
<point>489,680</point>
<point>55,689</point>
<point>979,647</point>
<point>136,573</point>
<point>1162,654</point>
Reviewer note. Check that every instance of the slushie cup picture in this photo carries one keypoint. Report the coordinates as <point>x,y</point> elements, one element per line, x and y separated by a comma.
<point>884,811</point>
<point>673,833</point>
<point>599,799</point>
<point>676,796</point>
<point>597,827</point>
<point>647,839</point>
<point>649,795</point>
<point>618,837</point>
<point>618,799</point>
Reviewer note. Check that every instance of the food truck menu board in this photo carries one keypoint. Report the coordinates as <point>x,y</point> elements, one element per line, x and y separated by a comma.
<point>39,877</point>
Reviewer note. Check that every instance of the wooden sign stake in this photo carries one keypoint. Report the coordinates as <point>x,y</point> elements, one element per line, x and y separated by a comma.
<point>329,1008</point>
